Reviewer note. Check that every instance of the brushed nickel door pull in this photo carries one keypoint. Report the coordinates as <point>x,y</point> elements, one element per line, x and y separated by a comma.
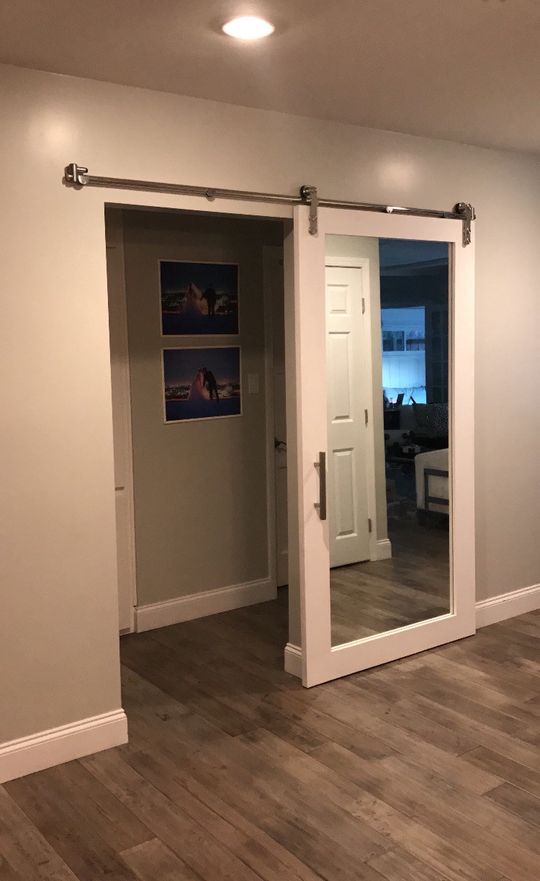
<point>321,504</point>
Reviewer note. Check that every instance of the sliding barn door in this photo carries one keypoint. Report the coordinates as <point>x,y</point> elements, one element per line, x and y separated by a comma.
<point>360,609</point>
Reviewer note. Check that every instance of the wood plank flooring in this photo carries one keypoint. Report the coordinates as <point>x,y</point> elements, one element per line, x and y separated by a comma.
<point>413,585</point>
<point>424,770</point>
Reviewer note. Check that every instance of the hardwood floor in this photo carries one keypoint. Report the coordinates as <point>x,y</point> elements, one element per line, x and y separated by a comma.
<point>424,770</point>
<point>413,585</point>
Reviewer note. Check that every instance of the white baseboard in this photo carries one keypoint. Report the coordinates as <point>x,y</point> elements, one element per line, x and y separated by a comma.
<point>198,605</point>
<point>382,549</point>
<point>63,744</point>
<point>293,660</point>
<point>507,605</point>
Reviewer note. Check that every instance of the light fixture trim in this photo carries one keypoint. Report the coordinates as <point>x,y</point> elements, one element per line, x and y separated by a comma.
<point>248,27</point>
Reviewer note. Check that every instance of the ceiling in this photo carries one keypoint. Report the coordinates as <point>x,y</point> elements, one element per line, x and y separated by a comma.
<point>463,70</point>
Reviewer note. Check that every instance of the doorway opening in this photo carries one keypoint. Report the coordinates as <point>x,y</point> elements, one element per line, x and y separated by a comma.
<point>230,400</point>
<point>198,379</point>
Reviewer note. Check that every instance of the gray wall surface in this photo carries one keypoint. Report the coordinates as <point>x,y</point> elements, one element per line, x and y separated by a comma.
<point>199,487</point>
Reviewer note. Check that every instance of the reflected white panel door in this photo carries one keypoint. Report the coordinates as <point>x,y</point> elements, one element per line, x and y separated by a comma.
<point>348,396</point>
<point>320,660</point>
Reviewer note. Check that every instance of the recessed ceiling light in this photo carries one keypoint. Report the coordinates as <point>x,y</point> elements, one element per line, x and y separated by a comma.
<point>248,27</point>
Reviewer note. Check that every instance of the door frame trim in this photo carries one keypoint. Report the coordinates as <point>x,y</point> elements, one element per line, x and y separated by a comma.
<point>269,255</point>
<point>121,403</point>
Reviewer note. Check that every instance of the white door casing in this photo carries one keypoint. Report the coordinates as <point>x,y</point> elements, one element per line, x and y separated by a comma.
<point>280,453</point>
<point>320,661</point>
<point>273,267</point>
<point>121,413</point>
<point>349,398</point>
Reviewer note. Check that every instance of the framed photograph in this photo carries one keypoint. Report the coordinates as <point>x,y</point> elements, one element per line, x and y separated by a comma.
<point>198,298</point>
<point>202,383</point>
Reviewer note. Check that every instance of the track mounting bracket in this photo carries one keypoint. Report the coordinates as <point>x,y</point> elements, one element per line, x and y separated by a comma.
<point>310,196</point>
<point>468,214</point>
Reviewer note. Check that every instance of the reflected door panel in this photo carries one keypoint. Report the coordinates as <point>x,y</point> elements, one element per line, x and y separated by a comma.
<point>347,400</point>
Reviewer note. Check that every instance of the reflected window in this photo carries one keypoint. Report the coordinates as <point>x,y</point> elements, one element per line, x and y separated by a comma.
<point>404,356</point>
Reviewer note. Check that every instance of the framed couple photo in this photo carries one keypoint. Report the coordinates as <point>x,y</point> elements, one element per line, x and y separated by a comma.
<point>198,298</point>
<point>202,383</point>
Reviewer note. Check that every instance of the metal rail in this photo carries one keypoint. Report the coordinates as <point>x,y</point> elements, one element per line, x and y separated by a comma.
<point>78,176</point>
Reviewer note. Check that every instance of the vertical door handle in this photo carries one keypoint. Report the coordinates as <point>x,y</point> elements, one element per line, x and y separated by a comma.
<point>321,504</point>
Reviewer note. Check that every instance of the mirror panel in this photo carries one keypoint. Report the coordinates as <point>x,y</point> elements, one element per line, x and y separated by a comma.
<point>388,474</point>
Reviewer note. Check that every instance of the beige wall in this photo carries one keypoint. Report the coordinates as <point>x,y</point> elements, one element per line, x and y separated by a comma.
<point>59,621</point>
<point>199,488</point>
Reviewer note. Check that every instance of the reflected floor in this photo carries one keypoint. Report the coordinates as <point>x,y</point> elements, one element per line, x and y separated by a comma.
<point>412,586</point>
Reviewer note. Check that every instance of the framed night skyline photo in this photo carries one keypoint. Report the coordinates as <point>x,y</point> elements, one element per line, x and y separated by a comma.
<point>198,298</point>
<point>201,383</point>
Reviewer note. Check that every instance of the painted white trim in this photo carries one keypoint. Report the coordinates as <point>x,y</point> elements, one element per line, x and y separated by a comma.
<point>207,602</point>
<point>26,755</point>
<point>508,605</point>
<point>271,254</point>
<point>347,262</point>
<point>293,660</point>
<point>122,428</point>
<point>382,549</point>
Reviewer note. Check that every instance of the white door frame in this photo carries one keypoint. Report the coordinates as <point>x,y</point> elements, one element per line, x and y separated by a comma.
<point>122,429</point>
<point>273,261</point>
<point>271,253</point>
<point>321,661</point>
